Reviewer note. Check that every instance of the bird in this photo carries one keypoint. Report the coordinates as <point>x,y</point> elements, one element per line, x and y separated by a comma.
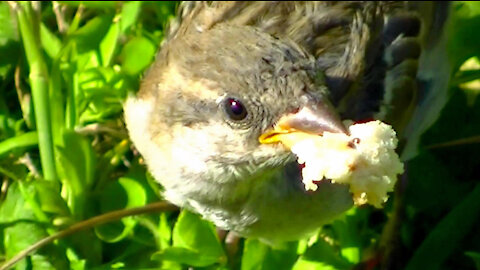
<point>227,72</point>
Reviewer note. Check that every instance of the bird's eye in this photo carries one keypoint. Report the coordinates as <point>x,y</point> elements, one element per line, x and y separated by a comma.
<point>235,109</point>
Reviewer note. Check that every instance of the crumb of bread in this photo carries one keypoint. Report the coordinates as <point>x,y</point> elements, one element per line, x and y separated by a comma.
<point>366,160</point>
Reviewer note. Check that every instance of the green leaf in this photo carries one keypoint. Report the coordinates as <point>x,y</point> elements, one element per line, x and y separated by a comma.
<point>93,4</point>
<point>50,199</point>
<point>7,124</point>
<point>28,139</point>
<point>7,27</point>
<point>11,207</point>
<point>303,264</point>
<point>21,229</point>
<point>425,185</point>
<point>475,256</point>
<point>326,255</point>
<point>165,231</point>
<point>130,11</point>
<point>186,256</point>
<point>194,233</point>
<point>349,230</point>
<point>103,91</point>
<point>9,46</point>
<point>258,255</point>
<point>50,42</point>
<point>76,164</point>
<point>78,265</point>
<point>468,9</point>
<point>84,247</point>
<point>129,193</point>
<point>448,233</point>
<point>137,55</point>
<point>109,44</point>
<point>463,41</point>
<point>197,240</point>
<point>124,193</point>
<point>254,253</point>
<point>457,121</point>
<point>91,34</point>
<point>86,60</point>
<point>466,75</point>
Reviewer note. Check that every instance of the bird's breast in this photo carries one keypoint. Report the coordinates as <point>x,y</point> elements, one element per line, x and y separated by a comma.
<point>273,206</point>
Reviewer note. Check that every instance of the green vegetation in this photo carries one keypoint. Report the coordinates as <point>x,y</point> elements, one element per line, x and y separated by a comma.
<point>65,70</point>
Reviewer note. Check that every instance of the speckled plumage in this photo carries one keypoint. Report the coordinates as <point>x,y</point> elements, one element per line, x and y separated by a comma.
<point>275,57</point>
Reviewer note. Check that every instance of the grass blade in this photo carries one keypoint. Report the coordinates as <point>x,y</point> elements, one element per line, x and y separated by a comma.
<point>449,232</point>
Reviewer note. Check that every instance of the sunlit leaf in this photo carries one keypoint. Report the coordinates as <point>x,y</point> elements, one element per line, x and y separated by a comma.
<point>258,255</point>
<point>302,264</point>
<point>323,253</point>
<point>76,166</point>
<point>93,4</point>
<point>464,42</point>
<point>129,14</point>
<point>50,42</point>
<point>88,37</point>
<point>349,230</point>
<point>109,44</point>
<point>137,54</point>
<point>254,254</point>
<point>7,28</point>
<point>194,242</point>
<point>186,256</point>
<point>25,140</point>
<point>9,46</point>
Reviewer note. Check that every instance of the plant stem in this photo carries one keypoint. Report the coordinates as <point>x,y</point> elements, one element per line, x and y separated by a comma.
<point>462,141</point>
<point>390,242</point>
<point>29,29</point>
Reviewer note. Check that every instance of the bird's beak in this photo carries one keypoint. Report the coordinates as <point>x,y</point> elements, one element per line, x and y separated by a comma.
<point>313,118</point>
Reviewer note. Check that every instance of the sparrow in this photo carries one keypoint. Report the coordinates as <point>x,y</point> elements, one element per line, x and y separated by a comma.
<point>227,72</point>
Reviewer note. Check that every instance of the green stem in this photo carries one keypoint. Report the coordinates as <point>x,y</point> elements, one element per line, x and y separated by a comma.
<point>71,110</point>
<point>462,141</point>
<point>28,24</point>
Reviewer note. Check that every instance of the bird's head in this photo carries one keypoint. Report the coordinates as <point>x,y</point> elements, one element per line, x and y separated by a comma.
<point>209,109</point>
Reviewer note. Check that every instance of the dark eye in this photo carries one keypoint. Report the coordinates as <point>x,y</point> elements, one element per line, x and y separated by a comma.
<point>235,109</point>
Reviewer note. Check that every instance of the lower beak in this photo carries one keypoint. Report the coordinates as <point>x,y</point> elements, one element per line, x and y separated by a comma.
<point>314,118</point>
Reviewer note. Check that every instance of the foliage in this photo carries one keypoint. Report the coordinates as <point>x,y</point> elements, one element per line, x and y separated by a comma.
<point>66,68</point>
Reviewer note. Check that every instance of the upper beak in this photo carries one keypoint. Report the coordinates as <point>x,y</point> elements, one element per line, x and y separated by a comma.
<point>313,118</point>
